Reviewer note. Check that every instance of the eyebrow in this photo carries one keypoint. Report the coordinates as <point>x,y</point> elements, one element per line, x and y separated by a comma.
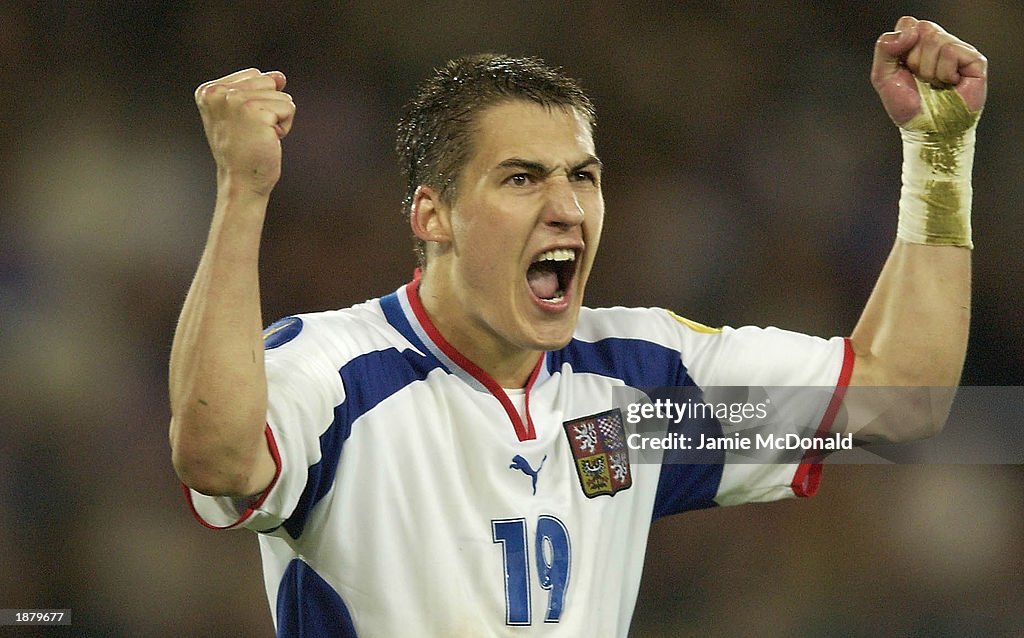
<point>539,168</point>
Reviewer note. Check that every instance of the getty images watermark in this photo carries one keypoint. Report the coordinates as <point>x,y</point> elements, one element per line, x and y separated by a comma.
<point>754,424</point>
<point>758,424</point>
<point>754,415</point>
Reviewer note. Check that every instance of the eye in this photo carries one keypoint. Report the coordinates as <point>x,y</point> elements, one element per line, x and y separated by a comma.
<point>519,179</point>
<point>585,176</point>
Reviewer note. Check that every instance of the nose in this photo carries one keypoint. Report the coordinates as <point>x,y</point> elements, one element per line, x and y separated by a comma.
<point>562,206</point>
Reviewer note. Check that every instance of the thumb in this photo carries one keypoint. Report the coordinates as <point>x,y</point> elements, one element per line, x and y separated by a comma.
<point>892,80</point>
<point>889,51</point>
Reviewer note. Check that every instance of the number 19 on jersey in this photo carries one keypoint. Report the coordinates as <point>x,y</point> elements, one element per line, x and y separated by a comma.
<point>552,553</point>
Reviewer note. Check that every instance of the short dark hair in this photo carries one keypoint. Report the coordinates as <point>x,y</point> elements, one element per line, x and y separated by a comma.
<point>434,140</point>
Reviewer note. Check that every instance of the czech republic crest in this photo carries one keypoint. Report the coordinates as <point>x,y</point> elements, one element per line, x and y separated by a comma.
<point>598,444</point>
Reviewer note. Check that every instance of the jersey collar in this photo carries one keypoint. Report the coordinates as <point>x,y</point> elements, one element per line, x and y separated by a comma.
<point>405,311</point>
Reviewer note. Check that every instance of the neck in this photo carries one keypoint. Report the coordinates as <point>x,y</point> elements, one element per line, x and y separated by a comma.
<point>509,366</point>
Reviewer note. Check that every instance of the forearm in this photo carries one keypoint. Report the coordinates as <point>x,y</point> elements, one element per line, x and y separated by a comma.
<point>914,328</point>
<point>218,386</point>
<point>909,345</point>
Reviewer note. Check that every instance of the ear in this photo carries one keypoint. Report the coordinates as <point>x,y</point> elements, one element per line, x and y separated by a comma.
<point>429,217</point>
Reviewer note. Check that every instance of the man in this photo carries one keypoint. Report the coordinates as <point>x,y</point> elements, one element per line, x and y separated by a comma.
<point>450,459</point>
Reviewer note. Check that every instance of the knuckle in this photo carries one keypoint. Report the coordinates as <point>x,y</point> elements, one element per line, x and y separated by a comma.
<point>206,91</point>
<point>236,98</point>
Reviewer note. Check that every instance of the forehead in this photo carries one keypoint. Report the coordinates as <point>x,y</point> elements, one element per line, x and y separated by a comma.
<point>556,135</point>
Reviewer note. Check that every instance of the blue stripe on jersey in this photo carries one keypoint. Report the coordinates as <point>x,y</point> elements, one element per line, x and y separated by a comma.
<point>639,363</point>
<point>368,380</point>
<point>682,486</point>
<point>392,308</point>
<point>308,607</point>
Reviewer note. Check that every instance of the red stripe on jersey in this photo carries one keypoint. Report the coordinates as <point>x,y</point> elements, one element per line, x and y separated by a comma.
<point>254,505</point>
<point>524,431</point>
<point>808,473</point>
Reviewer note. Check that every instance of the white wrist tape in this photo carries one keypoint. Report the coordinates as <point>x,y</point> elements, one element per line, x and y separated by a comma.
<point>938,154</point>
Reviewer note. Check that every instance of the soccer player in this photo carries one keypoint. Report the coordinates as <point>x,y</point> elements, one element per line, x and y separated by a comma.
<point>450,459</point>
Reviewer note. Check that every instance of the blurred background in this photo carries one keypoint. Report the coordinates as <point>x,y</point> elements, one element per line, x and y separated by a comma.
<point>751,178</point>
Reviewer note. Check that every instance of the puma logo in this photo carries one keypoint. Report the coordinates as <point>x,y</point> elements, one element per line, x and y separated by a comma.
<point>521,464</point>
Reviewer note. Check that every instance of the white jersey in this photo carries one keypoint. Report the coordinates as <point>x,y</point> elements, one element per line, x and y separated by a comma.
<point>415,497</point>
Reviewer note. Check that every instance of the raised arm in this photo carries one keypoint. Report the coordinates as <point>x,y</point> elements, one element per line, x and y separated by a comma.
<point>218,388</point>
<point>913,331</point>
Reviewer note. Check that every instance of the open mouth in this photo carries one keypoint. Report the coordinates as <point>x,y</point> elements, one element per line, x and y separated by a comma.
<point>551,273</point>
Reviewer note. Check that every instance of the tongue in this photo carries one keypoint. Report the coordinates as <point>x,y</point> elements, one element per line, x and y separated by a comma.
<point>543,282</point>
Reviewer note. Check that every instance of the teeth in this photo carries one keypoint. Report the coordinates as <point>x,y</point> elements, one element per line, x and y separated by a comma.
<point>558,254</point>
<point>557,298</point>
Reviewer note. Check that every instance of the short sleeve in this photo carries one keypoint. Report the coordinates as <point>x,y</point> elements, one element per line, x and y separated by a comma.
<point>794,383</point>
<point>303,388</point>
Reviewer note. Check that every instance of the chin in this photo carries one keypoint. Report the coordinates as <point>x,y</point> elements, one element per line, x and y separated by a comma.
<point>555,338</point>
<point>552,344</point>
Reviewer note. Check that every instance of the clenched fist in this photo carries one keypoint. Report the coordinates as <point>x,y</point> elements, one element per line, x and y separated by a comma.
<point>922,51</point>
<point>245,115</point>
